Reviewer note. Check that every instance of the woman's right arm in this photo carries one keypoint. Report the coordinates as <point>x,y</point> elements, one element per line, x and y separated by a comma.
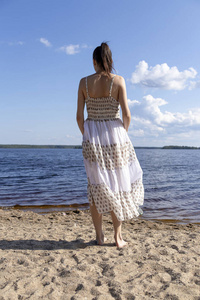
<point>126,115</point>
<point>80,106</point>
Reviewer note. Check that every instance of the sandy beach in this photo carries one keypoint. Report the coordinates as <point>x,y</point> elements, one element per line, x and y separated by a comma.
<point>54,256</point>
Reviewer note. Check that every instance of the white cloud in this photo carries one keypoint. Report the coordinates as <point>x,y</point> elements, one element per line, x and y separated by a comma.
<point>194,84</point>
<point>137,133</point>
<point>70,49</point>
<point>85,46</point>
<point>161,76</point>
<point>14,43</point>
<point>132,102</point>
<point>69,136</point>
<point>45,42</point>
<point>27,130</point>
<point>149,118</point>
<point>73,49</point>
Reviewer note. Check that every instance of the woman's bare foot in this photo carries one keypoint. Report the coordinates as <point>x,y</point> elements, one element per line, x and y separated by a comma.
<point>120,243</point>
<point>101,240</point>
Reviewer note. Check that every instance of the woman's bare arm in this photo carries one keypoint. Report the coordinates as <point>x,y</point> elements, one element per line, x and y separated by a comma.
<point>126,115</point>
<point>80,106</point>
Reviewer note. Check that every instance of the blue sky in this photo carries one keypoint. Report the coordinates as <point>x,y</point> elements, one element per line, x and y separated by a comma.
<point>46,47</point>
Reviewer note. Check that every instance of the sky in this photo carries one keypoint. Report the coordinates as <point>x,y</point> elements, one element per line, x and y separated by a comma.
<point>46,47</point>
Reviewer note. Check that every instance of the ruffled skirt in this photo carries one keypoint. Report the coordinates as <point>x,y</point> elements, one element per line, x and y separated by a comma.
<point>113,171</point>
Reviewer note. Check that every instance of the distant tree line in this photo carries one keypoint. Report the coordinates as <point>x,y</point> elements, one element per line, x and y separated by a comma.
<point>180,147</point>
<point>43,146</point>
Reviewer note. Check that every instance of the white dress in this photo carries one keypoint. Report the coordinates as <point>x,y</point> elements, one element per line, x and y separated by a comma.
<point>113,171</point>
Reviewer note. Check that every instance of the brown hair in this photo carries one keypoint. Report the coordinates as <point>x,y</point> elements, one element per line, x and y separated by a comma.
<point>103,56</point>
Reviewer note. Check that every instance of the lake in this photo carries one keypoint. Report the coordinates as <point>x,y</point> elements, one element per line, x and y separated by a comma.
<point>55,180</point>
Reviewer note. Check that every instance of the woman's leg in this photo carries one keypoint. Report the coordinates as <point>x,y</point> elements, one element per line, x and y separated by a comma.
<point>97,221</point>
<point>120,243</point>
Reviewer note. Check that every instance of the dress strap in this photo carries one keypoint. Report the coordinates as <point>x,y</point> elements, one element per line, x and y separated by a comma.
<point>86,87</point>
<point>111,85</point>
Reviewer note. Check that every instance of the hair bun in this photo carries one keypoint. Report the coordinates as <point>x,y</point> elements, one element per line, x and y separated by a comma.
<point>104,45</point>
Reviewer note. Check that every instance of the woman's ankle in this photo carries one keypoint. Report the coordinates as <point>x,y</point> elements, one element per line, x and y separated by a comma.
<point>100,238</point>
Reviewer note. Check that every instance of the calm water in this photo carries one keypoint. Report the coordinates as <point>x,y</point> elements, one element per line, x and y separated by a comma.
<point>35,177</point>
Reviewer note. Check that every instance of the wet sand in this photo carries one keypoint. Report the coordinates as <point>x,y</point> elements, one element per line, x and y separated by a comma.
<point>54,256</point>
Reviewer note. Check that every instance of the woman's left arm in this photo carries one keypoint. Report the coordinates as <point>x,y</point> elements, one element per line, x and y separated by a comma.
<point>80,106</point>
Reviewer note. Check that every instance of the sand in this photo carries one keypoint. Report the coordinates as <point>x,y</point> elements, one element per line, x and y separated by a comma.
<point>54,256</point>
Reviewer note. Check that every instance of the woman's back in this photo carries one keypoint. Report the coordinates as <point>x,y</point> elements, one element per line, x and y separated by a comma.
<point>100,86</point>
<point>100,102</point>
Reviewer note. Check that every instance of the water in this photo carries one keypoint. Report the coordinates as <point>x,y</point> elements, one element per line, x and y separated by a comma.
<point>55,179</point>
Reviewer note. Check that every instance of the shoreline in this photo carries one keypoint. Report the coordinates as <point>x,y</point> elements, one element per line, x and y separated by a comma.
<point>54,256</point>
<point>47,209</point>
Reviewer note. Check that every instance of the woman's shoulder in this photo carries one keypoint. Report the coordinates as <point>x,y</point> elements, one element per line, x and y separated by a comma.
<point>83,79</point>
<point>88,76</point>
<point>119,80</point>
<point>82,82</point>
<point>118,77</point>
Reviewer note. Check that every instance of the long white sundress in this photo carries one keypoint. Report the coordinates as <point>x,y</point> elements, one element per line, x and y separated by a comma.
<point>113,171</point>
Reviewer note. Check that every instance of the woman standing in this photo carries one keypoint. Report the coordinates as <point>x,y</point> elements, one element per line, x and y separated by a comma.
<point>113,171</point>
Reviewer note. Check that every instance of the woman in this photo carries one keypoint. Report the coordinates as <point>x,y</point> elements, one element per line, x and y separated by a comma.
<point>113,171</point>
